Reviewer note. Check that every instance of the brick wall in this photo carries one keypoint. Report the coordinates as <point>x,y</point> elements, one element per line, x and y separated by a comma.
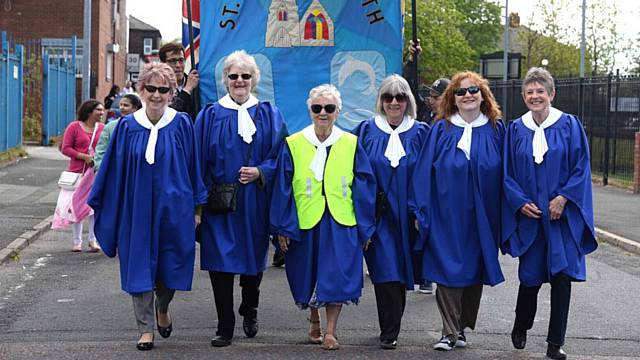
<point>36,19</point>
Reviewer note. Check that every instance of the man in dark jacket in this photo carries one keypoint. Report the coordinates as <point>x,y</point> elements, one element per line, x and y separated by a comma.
<point>172,54</point>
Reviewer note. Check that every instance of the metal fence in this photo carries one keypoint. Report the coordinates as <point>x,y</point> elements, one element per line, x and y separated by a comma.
<point>11,94</point>
<point>58,95</point>
<point>609,107</point>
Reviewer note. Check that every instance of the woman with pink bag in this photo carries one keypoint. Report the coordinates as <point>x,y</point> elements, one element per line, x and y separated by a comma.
<point>79,143</point>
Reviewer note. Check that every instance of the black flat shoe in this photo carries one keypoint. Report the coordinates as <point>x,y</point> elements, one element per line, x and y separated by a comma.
<point>250,326</point>
<point>165,332</point>
<point>278,260</point>
<point>144,346</point>
<point>556,352</point>
<point>220,341</point>
<point>388,344</point>
<point>519,339</point>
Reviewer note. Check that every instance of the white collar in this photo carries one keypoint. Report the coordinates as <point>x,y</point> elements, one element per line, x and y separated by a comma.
<point>394,151</point>
<point>141,118</point>
<point>464,143</point>
<point>539,143</point>
<point>246,127</point>
<point>320,158</point>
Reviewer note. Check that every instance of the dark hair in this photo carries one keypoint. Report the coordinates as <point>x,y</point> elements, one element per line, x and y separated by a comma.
<point>115,89</point>
<point>86,108</point>
<point>169,48</point>
<point>134,99</point>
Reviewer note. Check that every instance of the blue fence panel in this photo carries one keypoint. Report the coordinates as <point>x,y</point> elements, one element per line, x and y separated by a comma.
<point>11,95</point>
<point>58,95</point>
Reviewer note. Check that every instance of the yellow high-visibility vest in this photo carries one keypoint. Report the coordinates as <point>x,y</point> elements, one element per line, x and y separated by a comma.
<point>338,178</point>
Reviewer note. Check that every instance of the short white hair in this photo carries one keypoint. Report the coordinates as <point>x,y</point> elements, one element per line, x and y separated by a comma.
<point>241,59</point>
<point>322,90</point>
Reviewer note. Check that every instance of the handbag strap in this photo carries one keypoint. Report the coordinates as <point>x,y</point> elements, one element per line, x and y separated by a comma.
<point>250,149</point>
<point>93,136</point>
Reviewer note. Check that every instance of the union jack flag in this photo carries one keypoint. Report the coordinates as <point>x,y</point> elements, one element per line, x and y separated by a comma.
<point>195,21</point>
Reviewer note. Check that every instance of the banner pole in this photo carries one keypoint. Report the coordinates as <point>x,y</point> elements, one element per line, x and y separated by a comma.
<point>192,56</point>
<point>414,30</point>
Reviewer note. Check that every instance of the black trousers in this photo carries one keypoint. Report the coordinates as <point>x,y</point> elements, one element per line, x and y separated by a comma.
<point>527,304</point>
<point>222,285</point>
<point>391,298</point>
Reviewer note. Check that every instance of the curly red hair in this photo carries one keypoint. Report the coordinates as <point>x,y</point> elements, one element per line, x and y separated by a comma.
<point>489,106</point>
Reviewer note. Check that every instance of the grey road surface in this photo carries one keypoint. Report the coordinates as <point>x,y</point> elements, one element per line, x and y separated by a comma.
<point>55,304</point>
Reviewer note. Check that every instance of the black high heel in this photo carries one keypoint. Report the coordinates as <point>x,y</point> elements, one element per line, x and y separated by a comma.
<point>165,332</point>
<point>145,346</point>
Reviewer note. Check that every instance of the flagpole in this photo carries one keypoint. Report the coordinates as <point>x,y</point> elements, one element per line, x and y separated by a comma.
<point>414,30</point>
<point>192,56</point>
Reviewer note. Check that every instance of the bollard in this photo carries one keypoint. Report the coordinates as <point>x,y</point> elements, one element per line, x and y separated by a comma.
<point>636,165</point>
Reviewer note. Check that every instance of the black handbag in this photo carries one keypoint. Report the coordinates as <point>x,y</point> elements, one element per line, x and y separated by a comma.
<point>223,197</point>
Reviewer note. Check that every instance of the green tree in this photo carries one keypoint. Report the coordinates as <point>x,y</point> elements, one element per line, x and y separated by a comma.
<point>602,35</point>
<point>444,47</point>
<point>481,25</point>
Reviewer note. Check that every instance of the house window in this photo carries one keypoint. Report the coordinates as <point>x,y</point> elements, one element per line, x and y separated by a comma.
<point>148,46</point>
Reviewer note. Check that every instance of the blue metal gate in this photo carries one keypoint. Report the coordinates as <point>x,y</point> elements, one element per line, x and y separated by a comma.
<point>58,95</point>
<point>11,95</point>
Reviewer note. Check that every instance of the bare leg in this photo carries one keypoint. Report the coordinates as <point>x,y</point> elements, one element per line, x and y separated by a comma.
<point>315,332</point>
<point>330,340</point>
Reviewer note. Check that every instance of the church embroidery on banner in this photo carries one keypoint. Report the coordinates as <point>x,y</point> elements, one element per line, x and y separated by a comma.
<point>284,29</point>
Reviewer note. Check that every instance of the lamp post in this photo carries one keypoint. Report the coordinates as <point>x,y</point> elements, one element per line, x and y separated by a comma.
<point>544,63</point>
<point>505,58</point>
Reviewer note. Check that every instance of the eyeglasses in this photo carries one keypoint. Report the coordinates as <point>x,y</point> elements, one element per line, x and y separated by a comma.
<point>386,97</point>
<point>329,108</point>
<point>463,91</point>
<point>236,76</point>
<point>175,61</point>
<point>152,89</point>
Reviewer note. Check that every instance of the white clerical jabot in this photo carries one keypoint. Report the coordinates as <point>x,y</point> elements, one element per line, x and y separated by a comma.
<point>464,143</point>
<point>539,143</point>
<point>394,151</point>
<point>320,158</point>
<point>141,118</point>
<point>246,127</point>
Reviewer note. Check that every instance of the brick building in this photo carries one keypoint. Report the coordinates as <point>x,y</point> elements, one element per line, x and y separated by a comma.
<point>54,22</point>
<point>144,42</point>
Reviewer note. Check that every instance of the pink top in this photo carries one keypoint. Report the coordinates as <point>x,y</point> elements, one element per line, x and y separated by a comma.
<point>76,141</point>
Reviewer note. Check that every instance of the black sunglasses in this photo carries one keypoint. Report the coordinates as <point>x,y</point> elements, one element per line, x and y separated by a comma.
<point>386,97</point>
<point>329,108</point>
<point>463,91</point>
<point>162,89</point>
<point>236,76</point>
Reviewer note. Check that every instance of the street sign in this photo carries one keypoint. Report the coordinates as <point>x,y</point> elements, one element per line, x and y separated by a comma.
<point>133,63</point>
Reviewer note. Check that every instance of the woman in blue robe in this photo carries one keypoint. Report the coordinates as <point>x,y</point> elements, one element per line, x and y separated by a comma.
<point>392,140</point>
<point>240,139</point>
<point>456,188</point>
<point>323,214</point>
<point>548,212</point>
<point>144,199</point>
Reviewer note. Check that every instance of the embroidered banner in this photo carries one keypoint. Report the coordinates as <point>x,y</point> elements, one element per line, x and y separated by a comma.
<point>352,44</point>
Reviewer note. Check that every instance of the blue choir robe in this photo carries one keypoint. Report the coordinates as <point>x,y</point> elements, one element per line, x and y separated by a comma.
<point>545,247</point>
<point>237,242</point>
<point>457,204</point>
<point>389,257</point>
<point>325,261</point>
<point>145,213</point>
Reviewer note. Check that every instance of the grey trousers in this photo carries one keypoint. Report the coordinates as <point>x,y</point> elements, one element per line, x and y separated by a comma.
<point>143,306</point>
<point>458,308</point>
